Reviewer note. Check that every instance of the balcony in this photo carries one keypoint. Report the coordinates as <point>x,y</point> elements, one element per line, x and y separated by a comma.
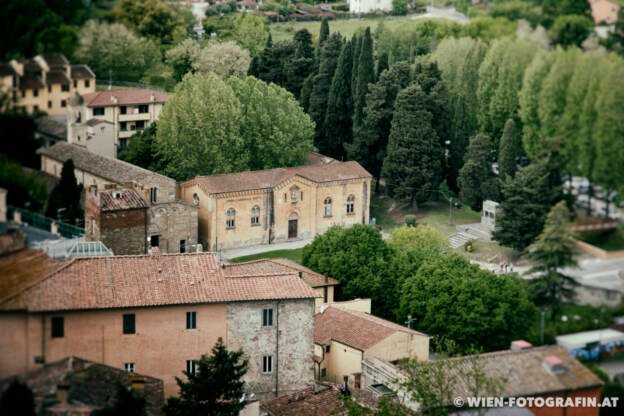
<point>134,117</point>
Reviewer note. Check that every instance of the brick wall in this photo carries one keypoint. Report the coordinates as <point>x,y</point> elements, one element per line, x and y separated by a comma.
<point>124,232</point>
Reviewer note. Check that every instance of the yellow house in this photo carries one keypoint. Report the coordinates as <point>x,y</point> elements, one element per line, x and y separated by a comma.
<point>44,83</point>
<point>344,338</point>
<point>273,205</point>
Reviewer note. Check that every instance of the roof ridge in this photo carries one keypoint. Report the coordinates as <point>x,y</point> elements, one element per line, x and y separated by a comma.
<point>376,319</point>
<point>301,267</point>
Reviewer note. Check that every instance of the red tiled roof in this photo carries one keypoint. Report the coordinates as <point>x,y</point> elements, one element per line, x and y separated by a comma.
<point>124,97</point>
<point>269,178</point>
<point>150,280</point>
<point>356,329</point>
<point>81,71</point>
<point>311,401</point>
<point>280,266</point>
<point>22,269</point>
<point>127,199</point>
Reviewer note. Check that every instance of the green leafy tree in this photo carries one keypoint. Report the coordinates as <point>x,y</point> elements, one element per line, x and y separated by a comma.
<point>199,129</point>
<point>127,403</point>
<point>64,202</point>
<point>526,201</point>
<point>370,144</point>
<point>459,61</point>
<point>413,165</point>
<point>529,99</point>
<point>455,300</point>
<point>251,32</point>
<point>141,149</point>
<point>321,85</point>
<point>571,30</point>
<point>25,189</point>
<point>182,57</point>
<point>215,388</point>
<point>382,63</point>
<point>17,400</point>
<point>112,50</point>
<point>476,179</point>
<point>552,251</point>
<point>155,19</point>
<point>551,9</point>
<point>225,59</point>
<point>510,150</point>
<point>364,76</point>
<point>17,123</point>
<point>338,117</point>
<point>358,257</point>
<point>399,7</point>
<point>274,128</point>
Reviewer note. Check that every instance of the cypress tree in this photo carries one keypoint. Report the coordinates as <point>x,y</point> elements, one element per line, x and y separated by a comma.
<point>321,83</point>
<point>369,145</point>
<point>323,36</point>
<point>301,65</point>
<point>413,165</point>
<point>356,41</point>
<point>266,64</point>
<point>365,75</point>
<point>509,151</point>
<point>306,91</point>
<point>382,63</point>
<point>338,119</point>
<point>476,181</point>
<point>66,195</point>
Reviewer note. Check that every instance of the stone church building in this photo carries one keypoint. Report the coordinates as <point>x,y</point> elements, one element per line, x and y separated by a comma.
<point>276,205</point>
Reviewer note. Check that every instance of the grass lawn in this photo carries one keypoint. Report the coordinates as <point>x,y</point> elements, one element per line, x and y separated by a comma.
<point>347,27</point>
<point>611,241</point>
<point>294,254</point>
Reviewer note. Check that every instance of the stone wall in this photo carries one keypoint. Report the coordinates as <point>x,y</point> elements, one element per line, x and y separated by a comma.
<point>173,222</point>
<point>290,341</point>
<point>124,232</point>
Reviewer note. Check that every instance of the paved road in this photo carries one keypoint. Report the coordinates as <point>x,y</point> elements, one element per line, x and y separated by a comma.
<point>247,251</point>
<point>448,13</point>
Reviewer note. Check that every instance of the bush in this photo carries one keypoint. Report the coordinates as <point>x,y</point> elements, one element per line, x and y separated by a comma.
<point>410,220</point>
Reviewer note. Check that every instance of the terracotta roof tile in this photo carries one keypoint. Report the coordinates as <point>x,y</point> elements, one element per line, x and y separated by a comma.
<point>124,97</point>
<point>269,178</point>
<point>150,280</point>
<point>356,329</point>
<point>281,266</point>
<point>121,199</point>
<point>114,170</point>
<point>311,401</point>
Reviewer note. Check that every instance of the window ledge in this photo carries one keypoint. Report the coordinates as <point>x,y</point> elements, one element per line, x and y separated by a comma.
<point>327,216</point>
<point>256,225</point>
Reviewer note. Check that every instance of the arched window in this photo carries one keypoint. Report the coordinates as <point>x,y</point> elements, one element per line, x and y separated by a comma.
<point>230,217</point>
<point>294,193</point>
<point>195,199</point>
<point>255,215</point>
<point>327,207</point>
<point>350,204</point>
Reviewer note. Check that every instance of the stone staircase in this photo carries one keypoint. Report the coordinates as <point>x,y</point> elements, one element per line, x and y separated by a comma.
<point>460,238</point>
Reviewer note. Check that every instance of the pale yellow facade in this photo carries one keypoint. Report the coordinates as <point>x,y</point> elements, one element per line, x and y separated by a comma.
<point>43,84</point>
<point>280,216</point>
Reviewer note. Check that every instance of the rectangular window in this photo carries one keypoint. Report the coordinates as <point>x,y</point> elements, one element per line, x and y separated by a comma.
<point>325,294</point>
<point>49,104</point>
<point>267,317</point>
<point>98,111</point>
<point>129,323</point>
<point>23,93</point>
<point>63,103</point>
<point>123,126</point>
<point>191,366</point>
<point>323,372</point>
<point>267,364</point>
<point>123,109</point>
<point>49,88</point>
<point>143,109</point>
<point>65,87</point>
<point>75,83</point>
<point>155,241</point>
<point>182,246</point>
<point>36,92</point>
<point>153,195</point>
<point>129,367</point>
<point>35,108</point>
<point>140,125</point>
<point>58,327</point>
<point>87,83</point>
<point>191,320</point>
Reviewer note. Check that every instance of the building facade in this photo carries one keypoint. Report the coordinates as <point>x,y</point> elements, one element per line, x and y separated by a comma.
<point>369,6</point>
<point>157,315</point>
<point>103,172</point>
<point>273,205</point>
<point>44,83</point>
<point>345,337</point>
<point>127,223</point>
<point>128,110</point>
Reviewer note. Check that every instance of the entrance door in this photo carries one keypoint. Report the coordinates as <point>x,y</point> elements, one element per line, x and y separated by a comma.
<point>292,228</point>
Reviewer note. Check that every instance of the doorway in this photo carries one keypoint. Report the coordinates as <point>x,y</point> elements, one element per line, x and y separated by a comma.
<point>292,228</point>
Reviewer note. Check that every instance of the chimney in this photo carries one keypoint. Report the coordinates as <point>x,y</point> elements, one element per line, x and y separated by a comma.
<point>152,97</point>
<point>199,248</point>
<point>554,364</point>
<point>520,344</point>
<point>113,99</point>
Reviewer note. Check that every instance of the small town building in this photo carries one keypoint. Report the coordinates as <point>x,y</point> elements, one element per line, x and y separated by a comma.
<point>591,345</point>
<point>344,337</point>
<point>51,129</point>
<point>127,223</point>
<point>128,110</point>
<point>323,285</point>
<point>92,169</point>
<point>604,12</point>
<point>156,314</point>
<point>73,386</point>
<point>369,6</point>
<point>44,83</point>
<point>273,205</point>
<point>95,134</point>
<point>548,371</point>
